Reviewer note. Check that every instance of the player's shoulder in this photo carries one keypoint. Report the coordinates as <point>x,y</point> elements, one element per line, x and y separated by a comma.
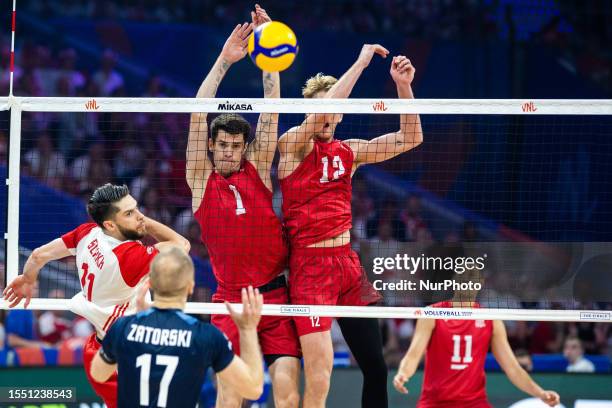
<point>131,248</point>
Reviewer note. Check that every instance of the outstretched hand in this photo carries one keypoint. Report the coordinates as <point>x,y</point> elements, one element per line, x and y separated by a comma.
<point>550,398</point>
<point>402,71</point>
<point>235,47</point>
<point>252,303</point>
<point>17,290</point>
<point>368,51</point>
<point>398,382</point>
<point>259,16</point>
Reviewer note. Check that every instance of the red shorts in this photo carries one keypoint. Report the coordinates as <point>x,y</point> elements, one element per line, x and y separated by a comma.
<point>479,403</point>
<point>327,276</point>
<point>106,390</point>
<point>277,334</point>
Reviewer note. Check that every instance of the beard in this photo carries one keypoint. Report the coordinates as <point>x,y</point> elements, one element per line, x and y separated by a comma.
<point>131,234</point>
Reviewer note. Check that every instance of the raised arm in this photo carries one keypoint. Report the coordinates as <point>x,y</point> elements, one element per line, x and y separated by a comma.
<point>516,374</point>
<point>409,135</point>
<point>166,236</point>
<point>198,166</point>
<point>261,151</point>
<point>22,286</point>
<point>298,138</point>
<point>346,83</point>
<point>410,362</point>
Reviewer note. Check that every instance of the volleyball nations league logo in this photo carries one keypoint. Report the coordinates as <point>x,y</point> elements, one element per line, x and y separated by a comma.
<point>92,105</point>
<point>379,106</point>
<point>529,107</point>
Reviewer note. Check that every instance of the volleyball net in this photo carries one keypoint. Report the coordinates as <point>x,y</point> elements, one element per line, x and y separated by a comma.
<point>505,201</point>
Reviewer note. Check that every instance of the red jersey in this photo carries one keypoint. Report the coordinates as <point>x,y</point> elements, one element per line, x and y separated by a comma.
<point>243,235</point>
<point>454,363</point>
<point>317,195</point>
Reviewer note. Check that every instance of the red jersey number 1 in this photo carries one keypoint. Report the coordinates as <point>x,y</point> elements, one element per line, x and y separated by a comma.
<point>87,279</point>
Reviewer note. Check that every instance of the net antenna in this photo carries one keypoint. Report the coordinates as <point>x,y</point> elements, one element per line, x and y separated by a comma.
<point>12,64</point>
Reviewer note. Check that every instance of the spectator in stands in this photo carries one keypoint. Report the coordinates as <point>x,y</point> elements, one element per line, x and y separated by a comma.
<point>129,161</point>
<point>155,88</point>
<point>2,331</point>
<point>92,163</point>
<point>3,148</point>
<point>145,180</point>
<point>52,327</point>
<point>21,329</point>
<point>387,212</point>
<point>412,218</point>
<point>45,163</point>
<point>107,78</point>
<point>585,331</point>
<point>524,359</point>
<point>574,353</point>
<point>546,337</point>
<point>193,234</point>
<point>153,206</point>
<point>362,211</point>
<point>470,232</point>
<point>74,78</point>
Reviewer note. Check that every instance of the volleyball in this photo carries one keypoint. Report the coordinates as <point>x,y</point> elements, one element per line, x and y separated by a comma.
<point>273,46</point>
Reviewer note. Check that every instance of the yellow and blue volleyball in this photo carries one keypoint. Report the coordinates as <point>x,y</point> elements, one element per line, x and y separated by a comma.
<point>273,46</point>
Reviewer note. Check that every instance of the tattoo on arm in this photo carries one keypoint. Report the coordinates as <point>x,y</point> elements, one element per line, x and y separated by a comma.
<point>268,83</point>
<point>220,74</point>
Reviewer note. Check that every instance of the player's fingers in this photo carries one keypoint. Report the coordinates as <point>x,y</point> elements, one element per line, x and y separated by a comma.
<point>27,300</point>
<point>15,301</point>
<point>246,30</point>
<point>554,399</point>
<point>399,385</point>
<point>252,299</point>
<point>241,30</point>
<point>230,309</point>
<point>380,50</point>
<point>12,296</point>
<point>235,30</point>
<point>403,66</point>
<point>244,296</point>
<point>258,304</point>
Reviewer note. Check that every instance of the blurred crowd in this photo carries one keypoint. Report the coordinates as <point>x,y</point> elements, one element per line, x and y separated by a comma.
<point>578,31</point>
<point>452,18</point>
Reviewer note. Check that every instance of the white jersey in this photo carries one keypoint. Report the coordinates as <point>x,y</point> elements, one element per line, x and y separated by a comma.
<point>111,273</point>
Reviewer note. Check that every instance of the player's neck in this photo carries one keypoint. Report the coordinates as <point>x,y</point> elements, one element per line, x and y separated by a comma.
<point>116,234</point>
<point>169,303</point>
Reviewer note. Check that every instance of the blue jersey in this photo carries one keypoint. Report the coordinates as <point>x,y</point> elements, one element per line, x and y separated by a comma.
<point>162,357</point>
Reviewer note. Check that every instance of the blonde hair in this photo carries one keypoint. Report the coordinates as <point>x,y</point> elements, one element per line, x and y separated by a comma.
<point>318,83</point>
<point>171,273</point>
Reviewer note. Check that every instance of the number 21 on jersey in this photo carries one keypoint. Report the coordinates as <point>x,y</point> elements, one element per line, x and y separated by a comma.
<point>87,280</point>
<point>336,164</point>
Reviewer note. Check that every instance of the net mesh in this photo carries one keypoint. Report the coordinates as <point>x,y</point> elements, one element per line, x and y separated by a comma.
<point>511,208</point>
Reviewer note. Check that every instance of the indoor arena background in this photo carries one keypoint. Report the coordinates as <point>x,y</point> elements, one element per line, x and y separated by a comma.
<point>462,49</point>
